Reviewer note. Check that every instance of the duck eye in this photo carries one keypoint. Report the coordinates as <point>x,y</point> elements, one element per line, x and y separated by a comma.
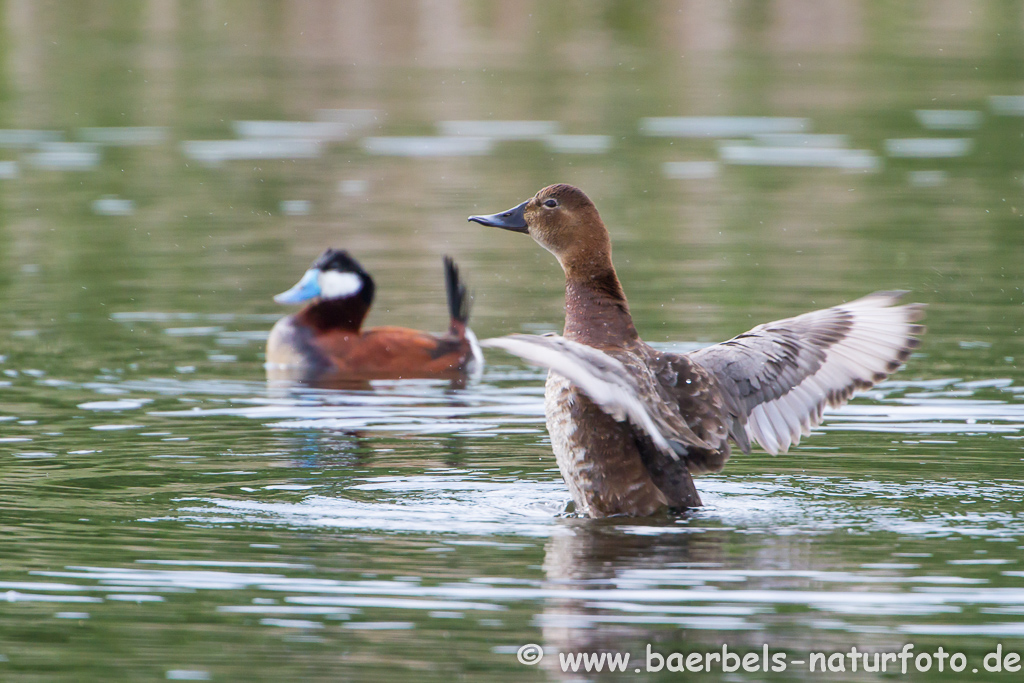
<point>551,203</point>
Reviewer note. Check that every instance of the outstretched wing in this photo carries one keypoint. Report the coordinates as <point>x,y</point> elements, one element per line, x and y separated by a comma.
<point>780,376</point>
<point>694,393</point>
<point>622,392</point>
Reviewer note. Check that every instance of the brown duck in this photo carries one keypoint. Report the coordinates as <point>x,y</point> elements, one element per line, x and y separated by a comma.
<point>325,342</point>
<point>629,424</point>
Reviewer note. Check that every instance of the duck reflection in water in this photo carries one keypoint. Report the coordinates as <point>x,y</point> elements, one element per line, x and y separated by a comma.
<point>599,561</point>
<point>326,449</point>
<point>617,589</point>
<point>324,343</point>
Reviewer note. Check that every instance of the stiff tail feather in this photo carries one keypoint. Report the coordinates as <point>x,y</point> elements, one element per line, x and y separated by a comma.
<point>458,309</point>
<point>458,297</point>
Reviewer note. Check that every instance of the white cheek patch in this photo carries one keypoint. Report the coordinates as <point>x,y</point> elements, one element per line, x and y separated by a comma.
<point>335,285</point>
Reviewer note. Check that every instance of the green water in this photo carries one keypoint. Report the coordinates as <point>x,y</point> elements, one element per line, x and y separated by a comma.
<point>165,514</point>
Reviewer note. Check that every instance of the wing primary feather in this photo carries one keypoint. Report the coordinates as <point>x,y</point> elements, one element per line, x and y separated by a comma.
<point>784,374</point>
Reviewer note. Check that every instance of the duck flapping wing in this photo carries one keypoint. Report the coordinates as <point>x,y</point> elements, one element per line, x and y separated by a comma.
<point>770,385</point>
<point>626,391</point>
<point>780,376</point>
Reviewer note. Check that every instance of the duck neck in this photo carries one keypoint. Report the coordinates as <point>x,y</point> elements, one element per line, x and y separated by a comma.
<point>335,314</point>
<point>596,311</point>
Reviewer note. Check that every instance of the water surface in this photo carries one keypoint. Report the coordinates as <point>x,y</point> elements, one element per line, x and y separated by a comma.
<point>168,514</point>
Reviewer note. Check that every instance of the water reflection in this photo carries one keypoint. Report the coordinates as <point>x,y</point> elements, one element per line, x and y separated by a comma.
<point>821,157</point>
<point>949,119</point>
<point>216,152</point>
<point>929,148</point>
<point>125,136</point>
<point>428,146</point>
<point>578,144</point>
<point>945,406</point>
<point>165,167</point>
<point>1007,105</point>
<point>678,584</point>
<point>500,130</point>
<point>457,501</point>
<point>113,206</point>
<point>720,126</point>
<point>333,131</point>
<point>65,156</point>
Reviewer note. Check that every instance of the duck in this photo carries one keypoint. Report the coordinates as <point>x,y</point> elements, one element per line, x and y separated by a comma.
<point>630,425</point>
<point>325,339</point>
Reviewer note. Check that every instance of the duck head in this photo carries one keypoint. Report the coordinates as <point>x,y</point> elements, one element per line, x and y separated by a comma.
<point>563,220</point>
<point>335,275</point>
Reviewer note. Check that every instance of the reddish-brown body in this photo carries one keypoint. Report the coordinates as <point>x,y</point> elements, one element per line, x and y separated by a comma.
<point>393,353</point>
<point>325,341</point>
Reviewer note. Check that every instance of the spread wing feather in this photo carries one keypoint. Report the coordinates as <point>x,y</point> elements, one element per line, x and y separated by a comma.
<point>780,376</point>
<point>770,385</point>
<point>611,385</point>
